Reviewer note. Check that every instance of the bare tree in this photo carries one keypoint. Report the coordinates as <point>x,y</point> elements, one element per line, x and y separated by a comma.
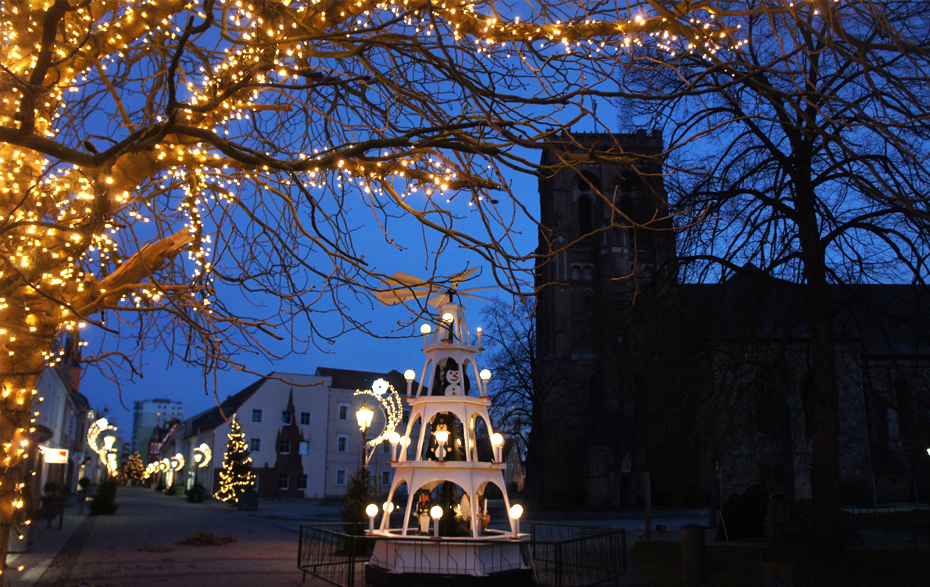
<point>510,341</point>
<point>163,161</point>
<point>806,148</point>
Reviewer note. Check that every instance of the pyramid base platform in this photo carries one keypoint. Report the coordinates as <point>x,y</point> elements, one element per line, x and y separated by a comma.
<point>452,562</point>
<point>378,577</point>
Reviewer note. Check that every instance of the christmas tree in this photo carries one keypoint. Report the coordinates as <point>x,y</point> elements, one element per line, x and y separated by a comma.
<point>236,477</point>
<point>134,469</point>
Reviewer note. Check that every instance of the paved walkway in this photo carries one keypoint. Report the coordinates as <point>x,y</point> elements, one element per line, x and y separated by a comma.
<point>138,546</point>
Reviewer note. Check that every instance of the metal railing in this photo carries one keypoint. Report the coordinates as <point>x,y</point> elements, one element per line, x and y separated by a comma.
<point>560,555</point>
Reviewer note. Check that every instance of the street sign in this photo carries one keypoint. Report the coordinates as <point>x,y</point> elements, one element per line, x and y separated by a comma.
<point>56,456</point>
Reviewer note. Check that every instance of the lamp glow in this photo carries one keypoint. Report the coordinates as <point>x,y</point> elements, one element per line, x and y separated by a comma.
<point>516,510</point>
<point>388,507</point>
<point>394,438</point>
<point>364,415</point>
<point>409,375</point>
<point>435,512</point>
<point>448,317</point>
<point>108,442</point>
<point>497,442</point>
<point>442,436</point>
<point>426,329</point>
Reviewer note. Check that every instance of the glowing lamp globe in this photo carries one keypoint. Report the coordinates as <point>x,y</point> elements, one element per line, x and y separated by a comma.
<point>435,512</point>
<point>364,415</point>
<point>426,329</point>
<point>442,436</point>
<point>448,317</point>
<point>371,510</point>
<point>485,375</point>
<point>497,439</point>
<point>410,374</point>
<point>394,438</point>
<point>516,510</point>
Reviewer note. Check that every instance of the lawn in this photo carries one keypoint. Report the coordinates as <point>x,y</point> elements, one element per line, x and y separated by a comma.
<point>739,566</point>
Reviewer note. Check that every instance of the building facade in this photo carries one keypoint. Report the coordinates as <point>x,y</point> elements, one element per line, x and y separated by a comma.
<point>146,416</point>
<point>302,433</point>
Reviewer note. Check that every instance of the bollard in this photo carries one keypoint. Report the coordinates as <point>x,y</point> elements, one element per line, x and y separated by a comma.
<point>693,555</point>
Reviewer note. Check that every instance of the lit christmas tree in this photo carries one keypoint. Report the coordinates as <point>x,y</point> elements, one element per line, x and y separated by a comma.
<point>237,476</point>
<point>134,469</point>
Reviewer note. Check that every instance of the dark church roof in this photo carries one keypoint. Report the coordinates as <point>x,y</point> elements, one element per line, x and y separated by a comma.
<point>351,379</point>
<point>885,318</point>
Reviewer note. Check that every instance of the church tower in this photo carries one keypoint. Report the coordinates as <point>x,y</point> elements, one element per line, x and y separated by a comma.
<point>606,248</point>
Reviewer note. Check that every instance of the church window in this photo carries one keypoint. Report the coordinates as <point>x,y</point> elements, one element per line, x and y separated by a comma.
<point>587,275</point>
<point>576,273</point>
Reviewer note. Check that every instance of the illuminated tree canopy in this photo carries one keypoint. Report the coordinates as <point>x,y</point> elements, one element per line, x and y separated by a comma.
<point>197,174</point>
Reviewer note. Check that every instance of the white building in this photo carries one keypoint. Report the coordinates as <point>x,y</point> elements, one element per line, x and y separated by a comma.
<point>148,414</point>
<point>301,430</point>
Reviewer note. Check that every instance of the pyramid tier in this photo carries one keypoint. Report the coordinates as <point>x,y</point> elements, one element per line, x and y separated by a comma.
<point>472,477</point>
<point>467,409</point>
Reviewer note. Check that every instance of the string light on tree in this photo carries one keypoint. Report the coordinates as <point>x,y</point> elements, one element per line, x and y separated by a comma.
<point>236,477</point>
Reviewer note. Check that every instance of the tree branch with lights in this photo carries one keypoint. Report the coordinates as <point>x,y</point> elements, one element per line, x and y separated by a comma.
<point>161,160</point>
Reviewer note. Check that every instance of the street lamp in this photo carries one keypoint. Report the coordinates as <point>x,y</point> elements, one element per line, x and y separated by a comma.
<point>363,415</point>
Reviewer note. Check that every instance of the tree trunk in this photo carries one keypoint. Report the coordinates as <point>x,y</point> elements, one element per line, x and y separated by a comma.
<point>825,470</point>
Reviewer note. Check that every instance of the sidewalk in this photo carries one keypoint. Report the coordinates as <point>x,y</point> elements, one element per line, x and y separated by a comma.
<point>137,546</point>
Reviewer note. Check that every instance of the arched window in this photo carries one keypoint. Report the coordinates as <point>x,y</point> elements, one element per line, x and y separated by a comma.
<point>587,274</point>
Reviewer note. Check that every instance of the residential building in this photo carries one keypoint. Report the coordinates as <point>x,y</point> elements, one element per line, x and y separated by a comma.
<point>302,433</point>
<point>344,438</point>
<point>149,414</point>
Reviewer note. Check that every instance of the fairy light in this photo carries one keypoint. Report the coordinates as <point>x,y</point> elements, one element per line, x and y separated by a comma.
<point>76,220</point>
<point>236,476</point>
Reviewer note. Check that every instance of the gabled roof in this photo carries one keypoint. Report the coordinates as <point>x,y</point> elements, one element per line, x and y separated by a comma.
<point>353,380</point>
<point>212,418</point>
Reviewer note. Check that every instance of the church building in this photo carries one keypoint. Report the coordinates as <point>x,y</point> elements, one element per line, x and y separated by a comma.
<point>703,386</point>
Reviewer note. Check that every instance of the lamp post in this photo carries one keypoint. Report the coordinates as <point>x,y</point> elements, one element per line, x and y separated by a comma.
<point>363,416</point>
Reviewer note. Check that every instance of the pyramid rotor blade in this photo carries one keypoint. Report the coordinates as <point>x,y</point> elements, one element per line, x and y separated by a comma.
<point>394,296</point>
<point>404,280</point>
<point>468,295</point>
<point>460,277</point>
